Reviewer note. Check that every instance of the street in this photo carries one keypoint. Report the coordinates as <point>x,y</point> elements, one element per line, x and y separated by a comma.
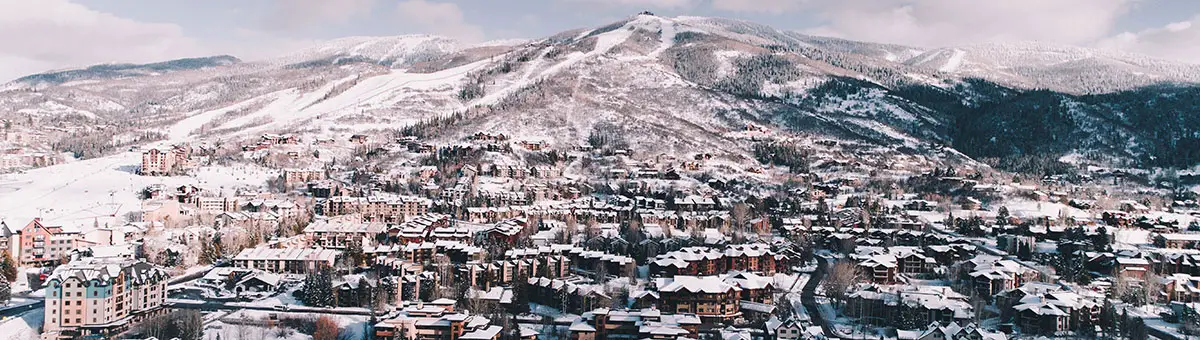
<point>809,300</point>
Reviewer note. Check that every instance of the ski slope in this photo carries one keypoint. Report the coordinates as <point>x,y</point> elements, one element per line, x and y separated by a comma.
<point>101,190</point>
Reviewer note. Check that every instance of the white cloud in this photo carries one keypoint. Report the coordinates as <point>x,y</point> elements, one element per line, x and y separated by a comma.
<point>1178,41</point>
<point>953,22</point>
<point>310,15</point>
<point>39,35</point>
<point>765,6</point>
<point>439,18</point>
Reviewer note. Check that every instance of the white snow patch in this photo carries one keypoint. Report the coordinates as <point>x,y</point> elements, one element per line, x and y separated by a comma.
<point>955,61</point>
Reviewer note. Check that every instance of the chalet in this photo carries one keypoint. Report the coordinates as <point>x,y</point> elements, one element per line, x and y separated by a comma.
<point>534,145</point>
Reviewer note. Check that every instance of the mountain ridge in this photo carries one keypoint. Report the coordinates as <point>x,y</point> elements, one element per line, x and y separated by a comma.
<point>687,84</point>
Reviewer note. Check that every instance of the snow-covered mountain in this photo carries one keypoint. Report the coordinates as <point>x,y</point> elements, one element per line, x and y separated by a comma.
<point>667,85</point>
<point>1056,67</point>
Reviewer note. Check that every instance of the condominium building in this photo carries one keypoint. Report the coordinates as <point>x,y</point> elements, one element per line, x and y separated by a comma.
<point>43,244</point>
<point>101,297</point>
<point>378,208</point>
<point>291,261</point>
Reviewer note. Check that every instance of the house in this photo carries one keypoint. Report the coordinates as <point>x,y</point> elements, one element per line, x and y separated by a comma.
<point>790,329</point>
<point>534,144</point>
<point>258,282</point>
<point>884,264</point>
<point>100,298</point>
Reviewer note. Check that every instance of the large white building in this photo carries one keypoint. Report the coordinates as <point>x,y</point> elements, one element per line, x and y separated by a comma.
<point>101,297</point>
<point>291,260</point>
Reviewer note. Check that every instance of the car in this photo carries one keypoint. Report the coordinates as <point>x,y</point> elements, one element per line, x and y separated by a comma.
<point>282,307</point>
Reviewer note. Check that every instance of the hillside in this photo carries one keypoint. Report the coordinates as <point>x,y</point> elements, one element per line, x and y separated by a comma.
<point>665,85</point>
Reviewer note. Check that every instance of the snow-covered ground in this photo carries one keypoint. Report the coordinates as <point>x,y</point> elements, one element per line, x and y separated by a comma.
<point>241,325</point>
<point>100,189</point>
<point>1132,236</point>
<point>23,327</point>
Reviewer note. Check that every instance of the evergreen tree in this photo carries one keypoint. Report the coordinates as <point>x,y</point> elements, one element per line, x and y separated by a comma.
<point>318,288</point>
<point>354,253</point>
<point>5,291</point>
<point>8,267</point>
<point>212,252</point>
<point>1101,241</point>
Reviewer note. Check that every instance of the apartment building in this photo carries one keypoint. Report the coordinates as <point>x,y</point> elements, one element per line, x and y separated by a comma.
<point>43,244</point>
<point>338,233</point>
<point>290,261</point>
<point>378,208</point>
<point>101,297</point>
<point>163,160</point>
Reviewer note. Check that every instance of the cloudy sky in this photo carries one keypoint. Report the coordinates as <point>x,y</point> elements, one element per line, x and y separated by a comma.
<point>39,35</point>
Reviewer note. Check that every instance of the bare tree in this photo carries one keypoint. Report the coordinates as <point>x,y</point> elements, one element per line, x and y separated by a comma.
<point>840,277</point>
<point>327,329</point>
<point>445,276</point>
